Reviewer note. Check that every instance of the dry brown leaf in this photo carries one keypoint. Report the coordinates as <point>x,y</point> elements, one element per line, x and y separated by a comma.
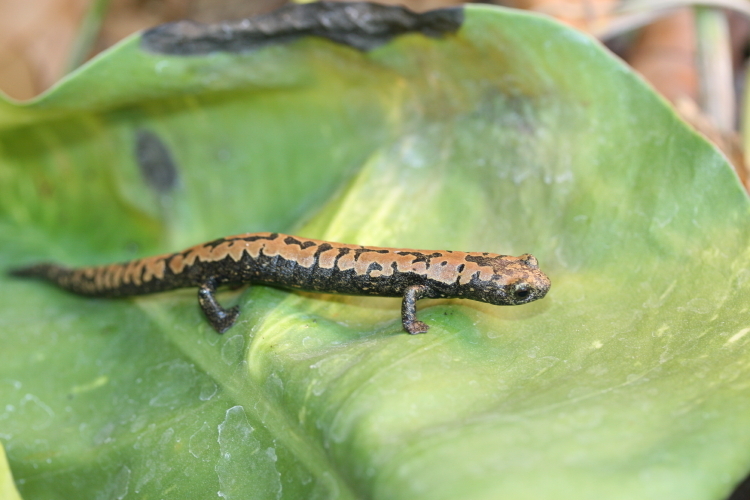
<point>35,41</point>
<point>586,15</point>
<point>664,53</point>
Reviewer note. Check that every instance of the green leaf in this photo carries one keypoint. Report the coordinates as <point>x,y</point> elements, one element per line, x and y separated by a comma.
<point>513,134</point>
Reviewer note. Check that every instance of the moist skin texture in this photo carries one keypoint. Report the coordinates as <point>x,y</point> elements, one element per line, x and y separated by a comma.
<point>319,266</point>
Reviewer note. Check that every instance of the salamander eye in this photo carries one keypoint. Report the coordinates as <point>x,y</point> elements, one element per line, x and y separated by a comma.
<point>522,291</point>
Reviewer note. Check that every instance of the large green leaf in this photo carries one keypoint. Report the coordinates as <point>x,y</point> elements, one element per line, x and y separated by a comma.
<point>511,135</point>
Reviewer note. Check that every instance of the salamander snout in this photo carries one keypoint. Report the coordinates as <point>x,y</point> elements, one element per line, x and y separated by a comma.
<point>526,282</point>
<point>522,292</point>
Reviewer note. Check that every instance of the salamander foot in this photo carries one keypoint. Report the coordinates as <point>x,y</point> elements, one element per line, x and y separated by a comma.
<point>416,327</point>
<point>220,319</point>
<point>409,309</point>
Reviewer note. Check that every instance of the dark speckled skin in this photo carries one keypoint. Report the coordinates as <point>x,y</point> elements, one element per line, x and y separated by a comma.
<point>320,266</point>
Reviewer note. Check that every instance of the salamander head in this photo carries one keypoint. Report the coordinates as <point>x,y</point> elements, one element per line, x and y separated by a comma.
<point>516,280</point>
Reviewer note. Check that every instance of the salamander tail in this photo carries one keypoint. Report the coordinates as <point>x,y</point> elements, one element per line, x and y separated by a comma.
<point>45,271</point>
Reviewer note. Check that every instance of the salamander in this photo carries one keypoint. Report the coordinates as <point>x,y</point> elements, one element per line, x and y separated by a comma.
<point>292,262</point>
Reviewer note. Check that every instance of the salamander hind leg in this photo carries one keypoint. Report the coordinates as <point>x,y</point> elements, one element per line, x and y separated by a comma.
<point>409,309</point>
<point>220,319</point>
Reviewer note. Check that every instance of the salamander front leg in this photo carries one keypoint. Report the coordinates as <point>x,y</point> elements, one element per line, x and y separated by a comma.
<point>219,318</point>
<point>409,309</point>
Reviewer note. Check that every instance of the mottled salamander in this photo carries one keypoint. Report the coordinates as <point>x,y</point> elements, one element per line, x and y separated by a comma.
<point>321,266</point>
